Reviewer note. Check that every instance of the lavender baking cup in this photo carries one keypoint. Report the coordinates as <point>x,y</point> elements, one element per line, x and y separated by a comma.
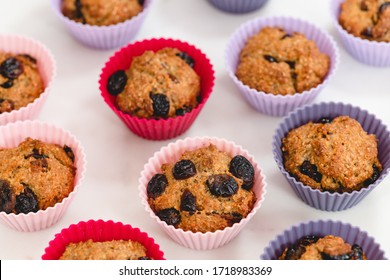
<point>158,129</point>
<point>103,37</point>
<point>47,68</point>
<point>350,234</point>
<point>278,105</point>
<point>100,231</point>
<point>369,52</point>
<point>238,6</point>
<point>324,200</point>
<point>14,133</point>
<point>171,153</point>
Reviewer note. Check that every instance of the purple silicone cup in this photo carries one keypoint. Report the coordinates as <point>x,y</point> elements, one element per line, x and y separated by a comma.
<point>238,6</point>
<point>350,234</point>
<point>369,52</point>
<point>278,105</point>
<point>104,37</point>
<point>328,201</point>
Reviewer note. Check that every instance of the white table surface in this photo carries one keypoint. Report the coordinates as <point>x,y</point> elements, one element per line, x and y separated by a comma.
<point>116,156</point>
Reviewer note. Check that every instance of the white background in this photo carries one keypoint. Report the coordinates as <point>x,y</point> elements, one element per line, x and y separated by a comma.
<point>116,156</point>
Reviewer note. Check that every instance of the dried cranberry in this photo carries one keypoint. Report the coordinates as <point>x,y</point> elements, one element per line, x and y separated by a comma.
<point>160,104</point>
<point>243,169</point>
<point>375,175</point>
<point>69,152</point>
<point>187,59</point>
<point>26,202</point>
<point>363,6</point>
<point>157,185</point>
<point>182,111</point>
<point>270,58</point>
<point>324,120</point>
<point>7,197</point>
<point>183,169</point>
<point>311,171</point>
<point>170,215</point>
<point>116,82</point>
<point>7,84</point>
<point>383,7</point>
<point>222,185</point>
<point>11,68</point>
<point>188,202</point>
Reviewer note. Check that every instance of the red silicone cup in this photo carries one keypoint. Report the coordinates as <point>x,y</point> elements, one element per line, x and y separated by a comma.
<point>160,129</point>
<point>100,231</point>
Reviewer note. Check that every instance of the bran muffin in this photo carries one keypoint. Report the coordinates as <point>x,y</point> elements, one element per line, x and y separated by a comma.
<point>20,81</point>
<point>159,84</point>
<point>276,62</point>
<point>34,176</point>
<point>105,250</point>
<point>329,247</point>
<point>367,19</point>
<point>204,191</point>
<point>101,12</point>
<point>332,155</point>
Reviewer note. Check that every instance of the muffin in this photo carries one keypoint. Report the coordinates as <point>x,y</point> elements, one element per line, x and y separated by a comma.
<point>101,12</point>
<point>277,62</point>
<point>204,191</point>
<point>158,84</point>
<point>334,155</point>
<point>238,6</point>
<point>329,247</point>
<point>367,19</point>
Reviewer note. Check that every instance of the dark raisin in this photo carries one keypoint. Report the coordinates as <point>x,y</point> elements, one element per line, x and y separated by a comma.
<point>39,165</point>
<point>311,171</point>
<point>199,98</point>
<point>144,258</point>
<point>188,202</point>
<point>233,218</point>
<point>222,185</point>
<point>184,169</point>
<point>157,185</point>
<point>141,2</point>
<point>6,105</point>
<point>367,32</point>
<point>357,252</point>
<point>295,251</point>
<point>375,175</point>
<point>11,68</point>
<point>30,58</point>
<point>170,215</point>
<point>182,111</point>
<point>69,152</point>
<point>363,6</point>
<point>78,12</point>
<point>36,154</point>
<point>187,59</point>
<point>286,36</point>
<point>324,120</point>
<point>7,84</point>
<point>173,78</point>
<point>241,168</point>
<point>116,82</point>
<point>291,64</point>
<point>383,7</point>
<point>7,197</point>
<point>160,104</point>
<point>26,202</point>
<point>270,58</point>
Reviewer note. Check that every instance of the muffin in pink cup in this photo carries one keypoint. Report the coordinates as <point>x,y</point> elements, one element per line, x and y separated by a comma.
<point>238,6</point>
<point>26,66</point>
<point>50,167</point>
<point>346,154</point>
<point>360,244</point>
<point>202,191</point>
<point>363,39</point>
<point>268,60</point>
<point>148,104</point>
<point>99,231</point>
<point>110,29</point>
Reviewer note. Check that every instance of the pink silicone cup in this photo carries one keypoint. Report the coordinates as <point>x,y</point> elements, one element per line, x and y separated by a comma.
<point>17,44</point>
<point>278,105</point>
<point>100,231</point>
<point>326,200</point>
<point>350,234</point>
<point>103,37</point>
<point>160,129</point>
<point>238,6</point>
<point>14,133</point>
<point>171,153</point>
<point>369,52</point>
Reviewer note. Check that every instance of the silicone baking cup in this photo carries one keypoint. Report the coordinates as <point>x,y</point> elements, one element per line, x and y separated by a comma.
<point>369,52</point>
<point>171,153</point>
<point>100,231</point>
<point>103,37</point>
<point>324,200</point>
<point>46,64</point>
<point>238,6</point>
<point>158,129</point>
<point>14,133</point>
<point>350,234</point>
<point>278,105</point>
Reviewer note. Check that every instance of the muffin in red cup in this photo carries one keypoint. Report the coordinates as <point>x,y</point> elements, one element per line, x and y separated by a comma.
<point>91,236</point>
<point>157,87</point>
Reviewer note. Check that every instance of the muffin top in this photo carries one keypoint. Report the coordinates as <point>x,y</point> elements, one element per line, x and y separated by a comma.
<point>106,250</point>
<point>20,81</point>
<point>34,176</point>
<point>204,191</point>
<point>332,155</point>
<point>101,12</point>
<point>157,85</point>
<point>276,62</point>
<point>367,19</point>
<point>329,247</point>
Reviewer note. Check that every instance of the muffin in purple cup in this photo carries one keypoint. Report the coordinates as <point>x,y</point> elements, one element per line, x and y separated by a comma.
<point>238,6</point>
